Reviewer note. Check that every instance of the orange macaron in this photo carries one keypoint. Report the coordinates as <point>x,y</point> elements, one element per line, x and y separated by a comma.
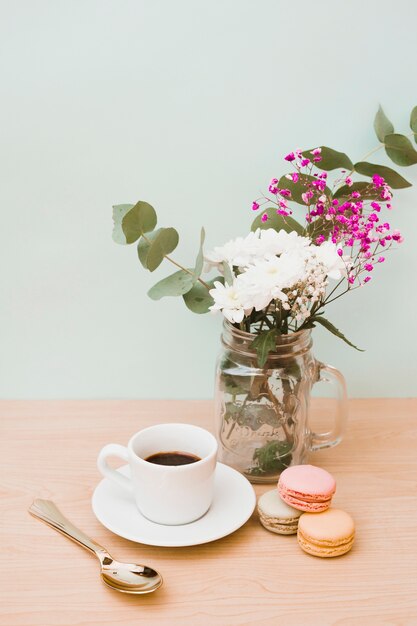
<point>327,534</point>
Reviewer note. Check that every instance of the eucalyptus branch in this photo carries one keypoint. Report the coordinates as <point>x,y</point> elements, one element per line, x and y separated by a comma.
<point>376,149</point>
<point>368,154</point>
<point>184,269</point>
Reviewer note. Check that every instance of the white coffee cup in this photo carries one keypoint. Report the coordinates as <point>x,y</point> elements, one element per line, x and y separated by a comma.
<point>166,494</point>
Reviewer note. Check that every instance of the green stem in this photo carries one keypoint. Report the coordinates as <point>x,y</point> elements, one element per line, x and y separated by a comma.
<point>381,145</point>
<point>332,291</point>
<point>335,298</point>
<point>168,258</point>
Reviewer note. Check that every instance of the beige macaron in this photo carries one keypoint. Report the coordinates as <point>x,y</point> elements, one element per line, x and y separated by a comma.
<point>277,516</point>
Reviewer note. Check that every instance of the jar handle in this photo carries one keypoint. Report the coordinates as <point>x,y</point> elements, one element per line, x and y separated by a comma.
<point>329,374</point>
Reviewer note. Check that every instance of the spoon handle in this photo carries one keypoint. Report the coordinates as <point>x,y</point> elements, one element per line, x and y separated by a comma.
<point>49,513</point>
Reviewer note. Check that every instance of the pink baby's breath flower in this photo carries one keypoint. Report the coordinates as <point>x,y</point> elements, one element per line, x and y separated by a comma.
<point>290,157</point>
<point>319,184</point>
<point>378,181</point>
<point>389,206</point>
<point>353,224</point>
<point>317,159</point>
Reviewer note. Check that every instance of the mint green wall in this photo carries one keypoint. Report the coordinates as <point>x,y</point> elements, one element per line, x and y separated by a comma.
<point>188,105</point>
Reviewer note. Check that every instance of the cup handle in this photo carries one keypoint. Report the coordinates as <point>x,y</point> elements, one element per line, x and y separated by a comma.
<point>114,449</point>
<point>329,374</point>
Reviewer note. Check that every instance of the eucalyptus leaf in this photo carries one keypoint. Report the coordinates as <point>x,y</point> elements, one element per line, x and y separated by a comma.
<point>362,186</point>
<point>400,150</point>
<point>198,299</point>
<point>228,276</point>
<point>155,246</point>
<point>394,180</point>
<point>413,119</point>
<point>330,159</point>
<point>200,257</point>
<point>233,379</point>
<point>321,320</point>
<point>301,186</point>
<point>413,122</point>
<point>140,219</point>
<point>176,284</point>
<point>382,125</point>
<point>263,344</point>
<point>278,222</point>
<point>119,211</point>
<point>273,457</point>
<point>236,385</point>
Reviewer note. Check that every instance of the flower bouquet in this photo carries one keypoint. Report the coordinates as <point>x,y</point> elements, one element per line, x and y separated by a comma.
<point>320,232</point>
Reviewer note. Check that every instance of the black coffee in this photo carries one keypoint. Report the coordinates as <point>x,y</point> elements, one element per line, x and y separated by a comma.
<point>172,458</point>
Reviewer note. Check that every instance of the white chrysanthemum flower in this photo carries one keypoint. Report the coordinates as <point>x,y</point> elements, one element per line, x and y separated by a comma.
<point>272,242</point>
<point>334,264</point>
<point>265,280</point>
<point>238,252</point>
<point>228,300</point>
<point>259,245</point>
<point>274,266</point>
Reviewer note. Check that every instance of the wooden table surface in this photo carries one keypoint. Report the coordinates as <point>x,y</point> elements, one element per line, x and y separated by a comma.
<point>48,450</point>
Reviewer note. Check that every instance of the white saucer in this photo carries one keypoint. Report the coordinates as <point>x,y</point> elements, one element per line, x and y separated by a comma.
<point>233,504</point>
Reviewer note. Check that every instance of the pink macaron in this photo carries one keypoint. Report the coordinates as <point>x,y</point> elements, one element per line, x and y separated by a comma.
<point>307,488</point>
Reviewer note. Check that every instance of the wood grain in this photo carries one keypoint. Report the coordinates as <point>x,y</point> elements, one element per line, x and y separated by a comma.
<point>48,450</point>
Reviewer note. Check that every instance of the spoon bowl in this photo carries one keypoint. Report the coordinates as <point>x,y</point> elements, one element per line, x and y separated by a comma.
<point>130,578</point>
<point>124,577</point>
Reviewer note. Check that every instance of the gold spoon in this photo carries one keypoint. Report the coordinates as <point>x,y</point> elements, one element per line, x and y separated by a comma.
<point>124,577</point>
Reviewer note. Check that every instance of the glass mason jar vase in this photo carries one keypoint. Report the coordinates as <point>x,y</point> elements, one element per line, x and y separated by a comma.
<point>262,412</point>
